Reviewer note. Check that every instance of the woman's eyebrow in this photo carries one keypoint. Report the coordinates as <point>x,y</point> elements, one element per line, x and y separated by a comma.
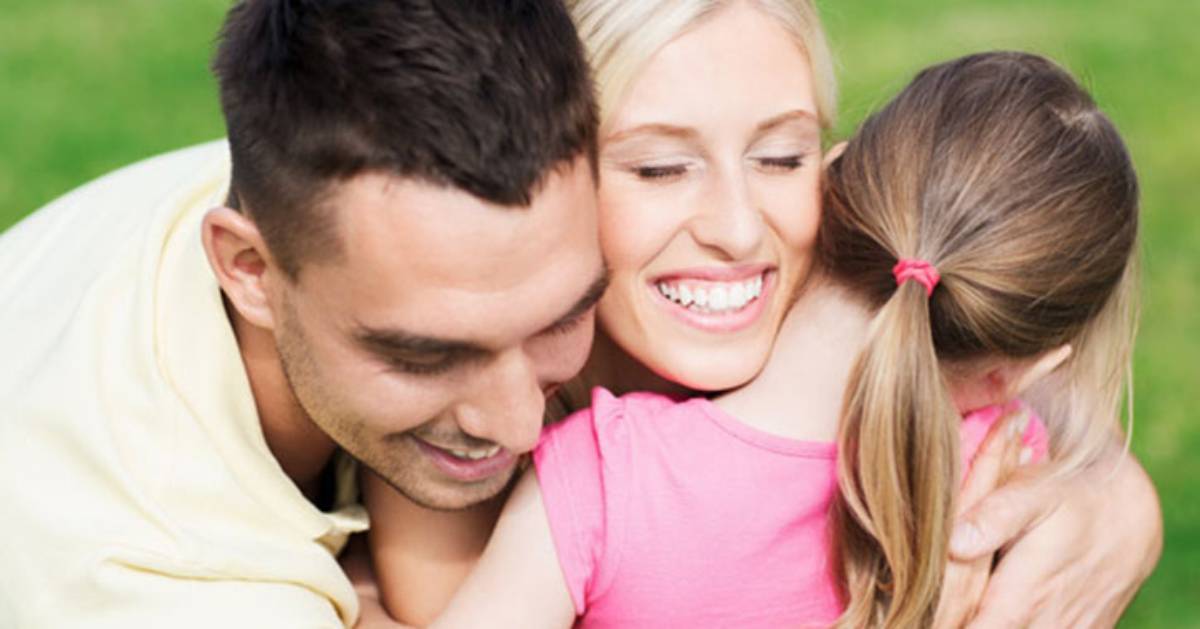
<point>653,128</point>
<point>802,116</point>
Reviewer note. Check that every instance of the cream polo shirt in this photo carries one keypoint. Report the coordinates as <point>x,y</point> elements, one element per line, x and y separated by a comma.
<point>136,488</point>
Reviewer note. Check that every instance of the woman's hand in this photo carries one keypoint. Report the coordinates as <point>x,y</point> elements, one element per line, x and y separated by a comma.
<point>1074,549</point>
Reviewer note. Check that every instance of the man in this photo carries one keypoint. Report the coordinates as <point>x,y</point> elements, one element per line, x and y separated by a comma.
<point>402,261</point>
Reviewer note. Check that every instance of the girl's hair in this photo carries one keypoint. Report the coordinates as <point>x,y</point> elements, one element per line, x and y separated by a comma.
<point>621,36</point>
<point>999,170</point>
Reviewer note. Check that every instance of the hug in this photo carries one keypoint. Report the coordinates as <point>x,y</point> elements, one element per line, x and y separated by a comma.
<point>517,313</point>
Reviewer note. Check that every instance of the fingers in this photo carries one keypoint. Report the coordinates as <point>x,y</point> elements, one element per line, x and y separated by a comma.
<point>1079,558</point>
<point>995,460</point>
<point>963,586</point>
<point>1008,601</point>
<point>964,582</point>
<point>1001,516</point>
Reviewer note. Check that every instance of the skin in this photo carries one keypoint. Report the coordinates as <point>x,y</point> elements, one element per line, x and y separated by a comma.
<point>700,180</point>
<point>685,184</point>
<point>402,346</point>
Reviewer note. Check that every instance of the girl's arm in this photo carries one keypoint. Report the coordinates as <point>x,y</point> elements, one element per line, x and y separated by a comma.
<point>421,556</point>
<point>518,581</point>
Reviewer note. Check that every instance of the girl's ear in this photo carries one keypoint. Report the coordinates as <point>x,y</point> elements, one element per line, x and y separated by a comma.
<point>999,382</point>
<point>1028,372</point>
<point>833,153</point>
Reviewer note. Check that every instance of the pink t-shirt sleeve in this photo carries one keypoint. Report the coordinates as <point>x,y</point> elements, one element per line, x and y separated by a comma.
<point>573,472</point>
<point>977,424</point>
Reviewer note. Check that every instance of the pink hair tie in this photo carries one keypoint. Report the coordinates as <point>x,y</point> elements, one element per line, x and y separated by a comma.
<point>919,270</point>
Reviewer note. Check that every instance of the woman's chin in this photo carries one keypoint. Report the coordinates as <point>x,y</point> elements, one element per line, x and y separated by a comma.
<point>713,371</point>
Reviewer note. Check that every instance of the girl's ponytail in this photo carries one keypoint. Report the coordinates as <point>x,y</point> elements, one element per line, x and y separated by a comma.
<point>999,170</point>
<point>898,451</point>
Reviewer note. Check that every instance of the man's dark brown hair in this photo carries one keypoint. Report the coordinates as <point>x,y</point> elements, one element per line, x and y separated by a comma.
<point>486,96</point>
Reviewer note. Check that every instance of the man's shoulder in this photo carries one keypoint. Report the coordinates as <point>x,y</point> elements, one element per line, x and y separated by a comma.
<point>112,221</point>
<point>79,278</point>
<point>131,194</point>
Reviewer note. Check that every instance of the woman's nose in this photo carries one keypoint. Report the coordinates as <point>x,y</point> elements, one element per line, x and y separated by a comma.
<point>729,222</point>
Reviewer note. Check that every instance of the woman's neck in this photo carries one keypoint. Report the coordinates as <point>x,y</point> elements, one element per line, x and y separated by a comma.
<point>799,392</point>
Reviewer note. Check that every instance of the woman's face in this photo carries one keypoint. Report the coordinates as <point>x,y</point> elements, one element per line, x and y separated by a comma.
<point>709,199</point>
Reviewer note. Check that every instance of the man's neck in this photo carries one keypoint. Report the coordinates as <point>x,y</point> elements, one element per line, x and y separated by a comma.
<point>302,448</point>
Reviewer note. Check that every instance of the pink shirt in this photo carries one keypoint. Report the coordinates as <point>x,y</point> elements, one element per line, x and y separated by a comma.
<point>674,514</point>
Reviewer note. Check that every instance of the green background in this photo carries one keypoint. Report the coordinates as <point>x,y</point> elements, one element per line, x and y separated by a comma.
<point>89,85</point>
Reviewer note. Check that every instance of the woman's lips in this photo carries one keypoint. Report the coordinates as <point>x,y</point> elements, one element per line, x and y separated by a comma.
<point>716,300</point>
<point>466,469</point>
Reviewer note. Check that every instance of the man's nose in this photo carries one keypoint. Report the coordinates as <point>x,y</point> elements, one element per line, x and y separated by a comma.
<point>506,406</point>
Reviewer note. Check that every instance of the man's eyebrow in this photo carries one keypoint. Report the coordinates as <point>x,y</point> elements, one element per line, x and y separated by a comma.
<point>394,341</point>
<point>593,294</point>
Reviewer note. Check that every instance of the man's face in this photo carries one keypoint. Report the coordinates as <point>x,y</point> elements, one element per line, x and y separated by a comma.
<point>427,349</point>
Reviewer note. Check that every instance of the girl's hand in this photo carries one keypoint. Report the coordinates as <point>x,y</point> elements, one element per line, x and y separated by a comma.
<point>964,581</point>
<point>1077,548</point>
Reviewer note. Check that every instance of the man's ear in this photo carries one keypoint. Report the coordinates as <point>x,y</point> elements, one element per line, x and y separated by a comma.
<point>238,256</point>
<point>1024,374</point>
<point>833,153</point>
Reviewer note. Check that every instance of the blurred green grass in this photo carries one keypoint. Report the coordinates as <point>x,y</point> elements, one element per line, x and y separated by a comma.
<point>87,86</point>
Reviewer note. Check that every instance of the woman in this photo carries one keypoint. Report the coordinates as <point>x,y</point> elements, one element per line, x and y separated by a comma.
<point>710,164</point>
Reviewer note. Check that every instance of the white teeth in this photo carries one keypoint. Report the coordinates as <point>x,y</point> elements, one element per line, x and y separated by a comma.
<point>718,298</point>
<point>476,455</point>
<point>685,296</point>
<point>715,297</point>
<point>738,296</point>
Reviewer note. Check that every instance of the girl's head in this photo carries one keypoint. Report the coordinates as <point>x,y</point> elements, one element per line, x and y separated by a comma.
<point>712,114</point>
<point>999,171</point>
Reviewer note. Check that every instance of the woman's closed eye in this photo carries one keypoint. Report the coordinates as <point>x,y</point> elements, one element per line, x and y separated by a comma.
<point>660,171</point>
<point>781,162</point>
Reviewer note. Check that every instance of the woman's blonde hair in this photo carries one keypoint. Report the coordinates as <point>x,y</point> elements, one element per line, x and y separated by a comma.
<point>621,36</point>
<point>999,170</point>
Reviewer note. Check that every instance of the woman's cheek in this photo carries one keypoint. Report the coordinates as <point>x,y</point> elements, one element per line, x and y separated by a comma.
<point>794,210</point>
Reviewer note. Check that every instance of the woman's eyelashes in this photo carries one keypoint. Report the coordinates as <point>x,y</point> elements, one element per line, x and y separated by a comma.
<point>784,163</point>
<point>660,172</point>
<point>665,172</point>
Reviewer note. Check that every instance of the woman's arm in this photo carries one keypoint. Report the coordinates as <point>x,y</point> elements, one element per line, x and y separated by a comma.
<point>518,581</point>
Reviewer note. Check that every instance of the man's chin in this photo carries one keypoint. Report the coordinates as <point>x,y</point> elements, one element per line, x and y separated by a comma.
<point>438,495</point>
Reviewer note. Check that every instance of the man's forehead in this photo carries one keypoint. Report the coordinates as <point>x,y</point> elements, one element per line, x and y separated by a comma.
<point>442,234</point>
<point>436,259</point>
